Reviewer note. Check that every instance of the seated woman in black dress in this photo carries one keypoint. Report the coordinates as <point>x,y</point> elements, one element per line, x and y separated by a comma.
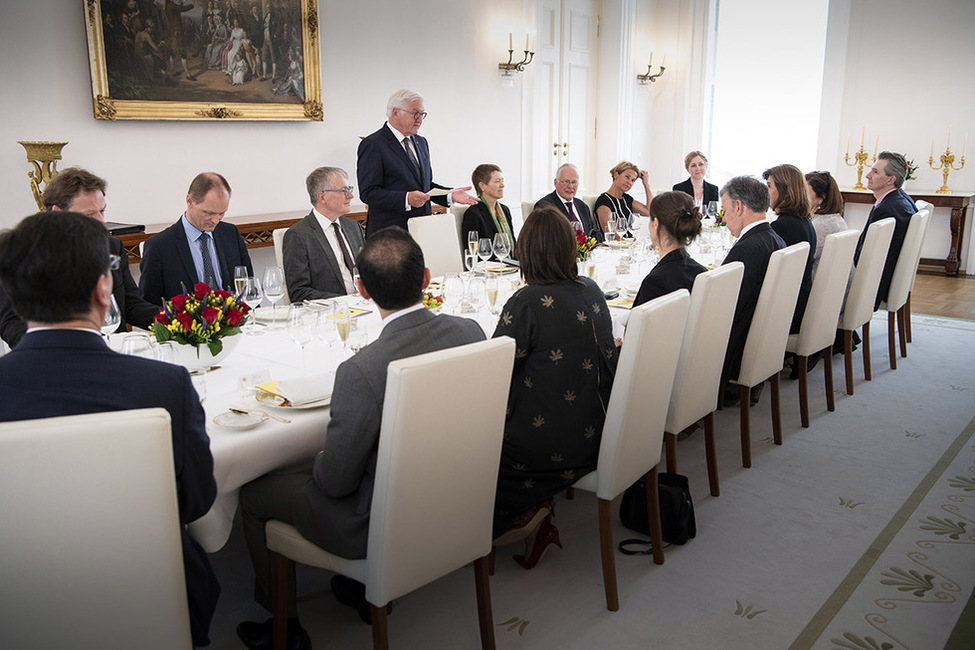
<point>616,200</point>
<point>703,192</point>
<point>488,216</point>
<point>564,368</point>
<point>790,201</point>
<point>674,223</point>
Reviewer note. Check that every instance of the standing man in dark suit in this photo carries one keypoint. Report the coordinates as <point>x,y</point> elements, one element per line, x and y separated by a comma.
<point>319,251</point>
<point>197,248</point>
<point>745,201</point>
<point>563,198</point>
<point>330,506</point>
<point>885,179</point>
<point>55,266</point>
<point>394,172</point>
<point>79,190</point>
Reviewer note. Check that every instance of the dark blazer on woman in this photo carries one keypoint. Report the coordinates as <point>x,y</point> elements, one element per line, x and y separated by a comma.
<point>478,217</point>
<point>676,270</point>
<point>792,230</point>
<point>710,191</point>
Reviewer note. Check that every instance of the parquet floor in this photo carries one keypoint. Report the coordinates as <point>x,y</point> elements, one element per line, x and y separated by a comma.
<point>936,295</point>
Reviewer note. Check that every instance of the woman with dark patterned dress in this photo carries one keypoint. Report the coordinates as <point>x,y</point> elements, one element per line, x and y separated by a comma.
<point>565,361</point>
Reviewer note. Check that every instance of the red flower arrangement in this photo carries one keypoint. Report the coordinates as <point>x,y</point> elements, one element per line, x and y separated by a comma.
<point>201,318</point>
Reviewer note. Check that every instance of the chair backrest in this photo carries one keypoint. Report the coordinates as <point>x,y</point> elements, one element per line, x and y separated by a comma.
<point>907,262</point>
<point>526,209</point>
<point>277,236</point>
<point>437,468</point>
<point>709,319</point>
<point>634,429</point>
<point>769,331</point>
<point>437,236</point>
<point>861,296</point>
<point>91,533</point>
<point>818,328</point>
<point>458,210</point>
<point>590,200</point>
<point>921,205</point>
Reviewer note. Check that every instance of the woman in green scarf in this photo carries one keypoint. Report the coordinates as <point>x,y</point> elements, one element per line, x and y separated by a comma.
<point>488,216</point>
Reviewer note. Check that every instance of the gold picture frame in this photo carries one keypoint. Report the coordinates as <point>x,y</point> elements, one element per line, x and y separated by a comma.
<point>169,60</point>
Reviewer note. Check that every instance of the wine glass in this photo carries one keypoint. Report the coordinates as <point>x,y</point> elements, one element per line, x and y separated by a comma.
<point>301,329</point>
<point>241,273</point>
<point>621,225</point>
<point>484,250</point>
<point>112,318</point>
<point>325,327</point>
<point>475,293</point>
<point>633,225</point>
<point>500,246</point>
<point>472,238</point>
<point>356,296</point>
<point>713,209</point>
<point>252,295</point>
<point>274,287</point>
<point>470,262</point>
<point>453,289</point>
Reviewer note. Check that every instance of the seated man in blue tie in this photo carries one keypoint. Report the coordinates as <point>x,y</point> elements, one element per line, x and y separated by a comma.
<point>200,247</point>
<point>319,251</point>
<point>564,199</point>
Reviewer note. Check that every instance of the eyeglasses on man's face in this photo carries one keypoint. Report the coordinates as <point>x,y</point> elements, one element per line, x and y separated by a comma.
<point>113,262</point>
<point>417,115</point>
<point>345,190</point>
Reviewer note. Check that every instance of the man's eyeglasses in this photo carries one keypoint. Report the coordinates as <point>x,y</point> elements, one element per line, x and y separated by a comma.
<point>569,182</point>
<point>113,262</point>
<point>346,190</point>
<point>417,115</point>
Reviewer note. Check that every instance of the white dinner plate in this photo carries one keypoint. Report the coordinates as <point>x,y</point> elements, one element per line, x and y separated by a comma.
<point>240,421</point>
<point>268,314</point>
<point>276,401</point>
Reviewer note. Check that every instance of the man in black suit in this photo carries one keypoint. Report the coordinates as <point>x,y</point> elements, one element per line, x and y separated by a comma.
<point>885,179</point>
<point>393,169</point>
<point>55,266</point>
<point>331,505</point>
<point>197,248</point>
<point>79,190</point>
<point>745,201</point>
<point>319,251</point>
<point>563,198</point>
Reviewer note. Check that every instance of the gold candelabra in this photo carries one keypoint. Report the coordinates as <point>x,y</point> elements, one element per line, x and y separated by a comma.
<point>861,160</point>
<point>947,164</point>
<point>44,156</point>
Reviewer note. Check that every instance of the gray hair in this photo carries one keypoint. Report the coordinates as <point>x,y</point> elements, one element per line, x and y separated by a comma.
<point>400,99</point>
<point>749,190</point>
<point>317,179</point>
<point>896,166</point>
<point>558,172</point>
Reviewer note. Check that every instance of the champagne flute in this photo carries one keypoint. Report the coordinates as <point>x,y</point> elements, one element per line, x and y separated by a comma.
<point>491,293</point>
<point>472,238</point>
<point>484,250</point>
<point>274,287</point>
<point>343,324</point>
<point>112,318</point>
<point>500,246</point>
<point>241,273</point>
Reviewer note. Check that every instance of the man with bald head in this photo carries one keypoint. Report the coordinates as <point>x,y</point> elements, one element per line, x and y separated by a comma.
<point>565,201</point>
<point>200,247</point>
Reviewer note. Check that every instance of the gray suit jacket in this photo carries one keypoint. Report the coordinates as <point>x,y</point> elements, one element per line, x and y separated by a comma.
<point>335,514</point>
<point>310,266</point>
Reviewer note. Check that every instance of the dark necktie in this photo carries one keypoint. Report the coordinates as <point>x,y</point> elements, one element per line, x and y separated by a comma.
<point>346,255</point>
<point>208,275</point>
<point>409,151</point>
<point>572,212</point>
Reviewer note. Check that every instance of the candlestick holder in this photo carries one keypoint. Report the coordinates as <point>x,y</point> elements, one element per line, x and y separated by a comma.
<point>44,156</point>
<point>861,159</point>
<point>947,164</point>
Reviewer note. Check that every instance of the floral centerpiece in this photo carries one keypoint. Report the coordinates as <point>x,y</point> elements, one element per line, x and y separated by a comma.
<point>584,245</point>
<point>719,219</point>
<point>911,169</point>
<point>203,318</point>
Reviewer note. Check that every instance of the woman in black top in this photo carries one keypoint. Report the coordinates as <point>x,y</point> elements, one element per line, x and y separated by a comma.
<point>703,192</point>
<point>616,200</point>
<point>488,216</point>
<point>674,223</point>
<point>790,201</point>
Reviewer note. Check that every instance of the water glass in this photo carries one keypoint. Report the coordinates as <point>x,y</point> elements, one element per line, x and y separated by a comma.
<point>112,317</point>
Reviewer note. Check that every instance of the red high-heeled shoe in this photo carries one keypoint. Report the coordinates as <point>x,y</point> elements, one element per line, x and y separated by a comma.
<point>547,534</point>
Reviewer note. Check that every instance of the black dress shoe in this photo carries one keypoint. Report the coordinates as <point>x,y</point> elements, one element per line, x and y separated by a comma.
<point>260,636</point>
<point>352,593</point>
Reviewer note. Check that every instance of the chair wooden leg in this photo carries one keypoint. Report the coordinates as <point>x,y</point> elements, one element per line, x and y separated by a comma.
<point>744,423</point>
<point>670,447</point>
<point>776,412</point>
<point>491,559</point>
<point>902,328</point>
<point>485,618</point>
<point>570,493</point>
<point>891,340</point>
<point>711,454</point>
<point>866,352</point>
<point>380,632</point>
<point>721,388</point>
<point>280,578</point>
<point>606,550</point>
<point>803,391</point>
<point>907,317</point>
<point>653,516</point>
<point>848,359</point>
<point>828,367</point>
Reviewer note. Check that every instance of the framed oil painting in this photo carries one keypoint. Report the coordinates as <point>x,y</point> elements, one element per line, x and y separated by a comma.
<point>204,59</point>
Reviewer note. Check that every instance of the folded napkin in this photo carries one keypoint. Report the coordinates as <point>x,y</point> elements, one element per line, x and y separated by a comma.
<point>299,391</point>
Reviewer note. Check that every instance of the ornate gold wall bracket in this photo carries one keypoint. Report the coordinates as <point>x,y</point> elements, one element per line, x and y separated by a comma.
<point>44,156</point>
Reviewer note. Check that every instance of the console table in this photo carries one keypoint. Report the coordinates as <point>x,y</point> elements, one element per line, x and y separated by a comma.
<point>957,201</point>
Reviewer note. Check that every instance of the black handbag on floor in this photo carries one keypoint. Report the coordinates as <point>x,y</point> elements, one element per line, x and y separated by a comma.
<point>676,511</point>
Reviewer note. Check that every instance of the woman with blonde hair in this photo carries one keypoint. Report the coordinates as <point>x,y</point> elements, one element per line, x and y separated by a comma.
<point>703,192</point>
<point>615,200</point>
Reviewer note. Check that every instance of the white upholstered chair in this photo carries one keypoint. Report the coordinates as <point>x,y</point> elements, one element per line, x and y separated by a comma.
<point>921,205</point>
<point>698,378</point>
<point>634,428</point>
<point>818,328</point>
<point>91,533</point>
<point>764,349</point>
<point>862,295</point>
<point>526,209</point>
<point>458,210</point>
<point>438,238</point>
<point>277,236</point>
<point>590,200</point>
<point>900,284</point>
<point>433,504</point>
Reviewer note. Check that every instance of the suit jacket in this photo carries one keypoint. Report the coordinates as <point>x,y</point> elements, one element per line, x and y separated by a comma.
<point>135,309</point>
<point>386,174</point>
<point>478,217</point>
<point>753,249</point>
<point>310,266</point>
<point>794,230</point>
<point>167,266</point>
<point>710,190</point>
<point>70,372</point>
<point>676,270</point>
<point>900,206</point>
<point>335,512</point>
<point>589,223</point>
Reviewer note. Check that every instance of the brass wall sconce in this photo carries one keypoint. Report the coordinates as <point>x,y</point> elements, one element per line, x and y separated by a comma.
<point>648,78</point>
<point>510,70</point>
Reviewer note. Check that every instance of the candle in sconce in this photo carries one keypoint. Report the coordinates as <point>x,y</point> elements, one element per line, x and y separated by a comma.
<point>510,46</point>
<point>663,63</point>
<point>863,132</point>
<point>526,41</point>
<point>533,44</point>
<point>876,145</point>
<point>650,62</point>
<point>848,139</point>
<point>949,139</point>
